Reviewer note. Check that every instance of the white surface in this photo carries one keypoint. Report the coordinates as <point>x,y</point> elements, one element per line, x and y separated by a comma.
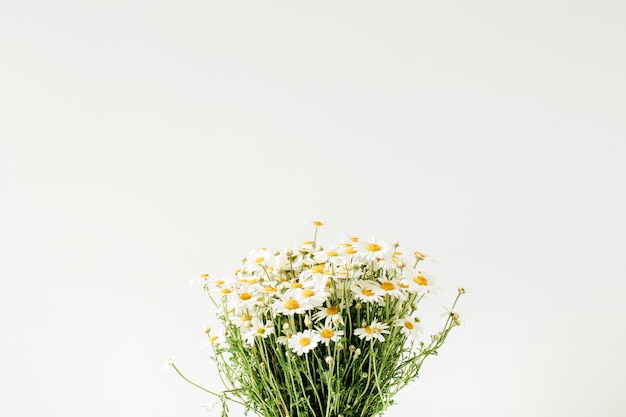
<point>143,143</point>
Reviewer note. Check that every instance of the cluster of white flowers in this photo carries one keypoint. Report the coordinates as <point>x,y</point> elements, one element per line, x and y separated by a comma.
<point>322,330</point>
<point>303,297</point>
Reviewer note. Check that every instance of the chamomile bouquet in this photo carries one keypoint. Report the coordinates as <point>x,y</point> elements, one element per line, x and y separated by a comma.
<point>322,331</point>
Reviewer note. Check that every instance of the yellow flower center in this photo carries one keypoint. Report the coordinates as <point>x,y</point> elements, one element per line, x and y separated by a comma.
<point>420,255</point>
<point>304,341</point>
<point>204,276</point>
<point>354,239</point>
<point>270,289</point>
<point>373,247</point>
<point>245,296</point>
<point>291,304</point>
<point>246,317</point>
<point>259,260</point>
<point>388,286</point>
<point>368,330</point>
<point>332,253</point>
<point>261,330</point>
<point>327,333</point>
<point>332,310</point>
<point>317,223</point>
<point>408,325</point>
<point>367,292</point>
<point>225,290</point>
<point>296,285</point>
<point>219,282</point>
<point>420,280</point>
<point>350,250</point>
<point>318,269</point>
<point>212,339</point>
<point>308,292</point>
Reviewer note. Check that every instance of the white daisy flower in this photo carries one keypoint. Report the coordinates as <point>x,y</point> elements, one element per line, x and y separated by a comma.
<point>259,259</point>
<point>303,342</point>
<point>244,320</point>
<point>291,303</point>
<point>374,249</point>
<point>258,329</point>
<point>313,297</point>
<point>367,291</point>
<point>410,327</point>
<point>202,279</point>
<point>391,287</point>
<point>419,281</point>
<point>374,330</point>
<point>330,314</point>
<point>332,255</point>
<point>454,315</point>
<point>222,286</point>
<point>328,333</point>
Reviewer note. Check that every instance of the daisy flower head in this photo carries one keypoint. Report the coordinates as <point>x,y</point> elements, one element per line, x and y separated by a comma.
<point>258,329</point>
<point>392,288</point>
<point>410,327</point>
<point>244,320</point>
<point>330,314</point>
<point>373,331</point>
<point>310,296</point>
<point>202,279</point>
<point>454,315</point>
<point>291,303</point>
<point>259,259</point>
<point>367,291</point>
<point>328,333</point>
<point>332,255</point>
<point>303,342</point>
<point>421,256</point>
<point>374,249</point>
<point>216,340</point>
<point>420,281</point>
<point>222,286</point>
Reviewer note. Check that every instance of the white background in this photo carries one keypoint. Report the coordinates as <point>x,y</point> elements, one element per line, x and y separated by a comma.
<point>146,142</point>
